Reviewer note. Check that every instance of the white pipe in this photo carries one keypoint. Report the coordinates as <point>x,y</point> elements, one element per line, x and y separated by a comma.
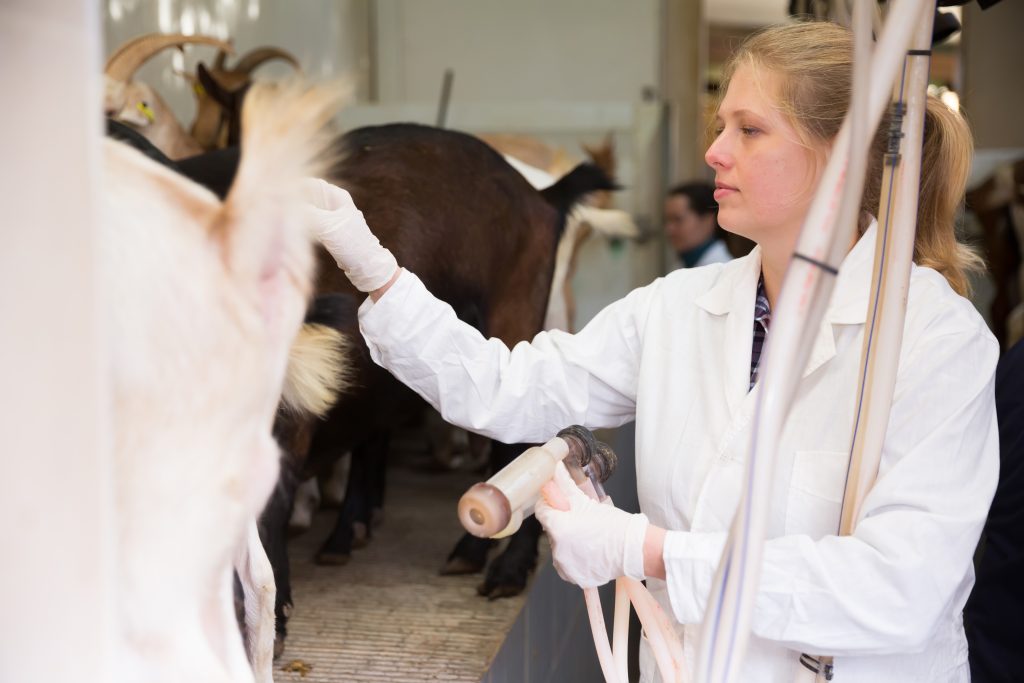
<point>805,293</point>
<point>890,285</point>
<point>620,631</point>
<point>668,651</point>
<point>665,646</point>
<point>597,628</point>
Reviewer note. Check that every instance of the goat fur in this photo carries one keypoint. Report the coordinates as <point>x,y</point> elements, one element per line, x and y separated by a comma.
<point>204,299</point>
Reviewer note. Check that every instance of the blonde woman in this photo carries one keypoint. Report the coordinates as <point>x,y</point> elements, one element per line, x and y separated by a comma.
<point>680,356</point>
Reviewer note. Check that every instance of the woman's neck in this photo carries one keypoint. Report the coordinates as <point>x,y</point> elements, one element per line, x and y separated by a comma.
<point>775,257</point>
<point>774,260</point>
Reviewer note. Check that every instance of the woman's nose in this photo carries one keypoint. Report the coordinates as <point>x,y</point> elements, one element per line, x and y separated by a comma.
<point>718,155</point>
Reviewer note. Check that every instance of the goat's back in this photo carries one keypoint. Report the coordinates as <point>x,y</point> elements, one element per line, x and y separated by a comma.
<point>455,213</point>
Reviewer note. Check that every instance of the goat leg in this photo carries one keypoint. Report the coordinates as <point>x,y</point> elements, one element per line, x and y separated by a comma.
<point>468,557</point>
<point>257,578</point>
<point>509,571</point>
<point>307,500</point>
<point>337,549</point>
<point>273,529</point>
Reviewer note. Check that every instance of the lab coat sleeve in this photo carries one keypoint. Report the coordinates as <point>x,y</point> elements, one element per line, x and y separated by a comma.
<point>526,394</point>
<point>883,589</point>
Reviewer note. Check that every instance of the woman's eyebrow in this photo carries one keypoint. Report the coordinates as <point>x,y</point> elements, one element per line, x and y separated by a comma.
<point>747,112</point>
<point>734,113</point>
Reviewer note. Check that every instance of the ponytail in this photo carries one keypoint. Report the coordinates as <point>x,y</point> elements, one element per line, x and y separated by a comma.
<point>945,164</point>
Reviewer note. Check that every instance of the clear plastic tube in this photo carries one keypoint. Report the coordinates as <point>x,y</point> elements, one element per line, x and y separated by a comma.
<point>597,628</point>
<point>620,630</point>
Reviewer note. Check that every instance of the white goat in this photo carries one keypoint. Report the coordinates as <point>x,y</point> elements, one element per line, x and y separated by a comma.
<point>204,301</point>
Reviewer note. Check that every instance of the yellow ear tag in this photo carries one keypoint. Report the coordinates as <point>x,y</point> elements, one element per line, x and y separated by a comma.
<point>146,111</point>
<point>199,89</point>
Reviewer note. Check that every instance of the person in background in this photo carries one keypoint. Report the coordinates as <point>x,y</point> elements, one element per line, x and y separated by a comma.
<point>691,225</point>
<point>994,615</point>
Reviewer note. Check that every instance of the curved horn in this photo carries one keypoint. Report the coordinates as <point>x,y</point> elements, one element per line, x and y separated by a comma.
<point>133,54</point>
<point>218,62</point>
<point>252,59</point>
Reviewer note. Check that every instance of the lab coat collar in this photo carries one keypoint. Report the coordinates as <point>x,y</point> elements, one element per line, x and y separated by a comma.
<point>737,284</point>
<point>733,295</point>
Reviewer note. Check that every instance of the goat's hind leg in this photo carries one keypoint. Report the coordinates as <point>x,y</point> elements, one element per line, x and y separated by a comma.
<point>257,577</point>
<point>508,572</point>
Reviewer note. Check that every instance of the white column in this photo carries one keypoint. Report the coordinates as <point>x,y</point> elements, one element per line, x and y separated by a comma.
<point>55,523</point>
<point>684,48</point>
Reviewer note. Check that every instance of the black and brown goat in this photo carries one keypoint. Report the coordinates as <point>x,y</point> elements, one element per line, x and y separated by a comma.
<point>220,90</point>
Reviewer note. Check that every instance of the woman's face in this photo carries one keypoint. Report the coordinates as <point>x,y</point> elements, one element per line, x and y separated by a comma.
<point>764,177</point>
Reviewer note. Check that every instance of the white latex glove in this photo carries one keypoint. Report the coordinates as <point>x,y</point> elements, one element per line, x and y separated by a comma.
<point>341,228</point>
<point>592,543</point>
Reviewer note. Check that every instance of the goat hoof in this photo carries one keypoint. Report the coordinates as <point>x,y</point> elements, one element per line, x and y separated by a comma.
<point>457,566</point>
<point>468,557</point>
<point>278,646</point>
<point>492,592</point>
<point>360,535</point>
<point>295,530</point>
<point>326,558</point>
<point>508,573</point>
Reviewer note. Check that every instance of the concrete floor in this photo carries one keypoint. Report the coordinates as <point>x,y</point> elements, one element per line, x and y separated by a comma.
<point>387,615</point>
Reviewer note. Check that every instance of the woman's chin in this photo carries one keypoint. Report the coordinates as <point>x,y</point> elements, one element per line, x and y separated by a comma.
<point>736,227</point>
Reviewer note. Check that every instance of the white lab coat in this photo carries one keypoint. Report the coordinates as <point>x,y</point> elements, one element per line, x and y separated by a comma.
<point>675,355</point>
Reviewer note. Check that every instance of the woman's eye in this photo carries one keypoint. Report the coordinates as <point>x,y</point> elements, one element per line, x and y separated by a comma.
<point>718,131</point>
<point>749,130</point>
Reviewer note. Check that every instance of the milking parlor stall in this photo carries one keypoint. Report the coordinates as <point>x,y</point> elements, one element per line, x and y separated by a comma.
<point>214,472</point>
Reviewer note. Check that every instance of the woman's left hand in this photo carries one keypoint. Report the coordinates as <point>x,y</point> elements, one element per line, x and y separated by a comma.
<point>592,543</point>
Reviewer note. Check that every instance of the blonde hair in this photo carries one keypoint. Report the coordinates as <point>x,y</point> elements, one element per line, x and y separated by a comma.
<point>814,65</point>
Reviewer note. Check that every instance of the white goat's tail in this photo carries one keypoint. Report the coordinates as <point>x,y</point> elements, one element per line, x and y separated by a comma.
<point>317,370</point>
<point>608,222</point>
<point>286,135</point>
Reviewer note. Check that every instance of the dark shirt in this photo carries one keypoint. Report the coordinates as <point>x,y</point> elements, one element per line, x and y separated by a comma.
<point>994,615</point>
<point>693,256</point>
<point>762,318</point>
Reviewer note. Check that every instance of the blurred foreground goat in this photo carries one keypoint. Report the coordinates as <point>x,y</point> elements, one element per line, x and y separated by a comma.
<point>204,301</point>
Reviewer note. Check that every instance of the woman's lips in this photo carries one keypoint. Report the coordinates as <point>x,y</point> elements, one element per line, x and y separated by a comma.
<point>723,190</point>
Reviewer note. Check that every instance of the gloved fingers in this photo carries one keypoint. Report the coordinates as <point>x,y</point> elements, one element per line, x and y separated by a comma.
<point>337,199</point>
<point>556,522</point>
<point>324,195</point>
<point>552,494</point>
<point>565,482</point>
<point>543,511</point>
<point>562,575</point>
<point>312,191</point>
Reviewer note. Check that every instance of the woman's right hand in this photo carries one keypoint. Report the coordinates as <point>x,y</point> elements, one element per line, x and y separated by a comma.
<point>341,228</point>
